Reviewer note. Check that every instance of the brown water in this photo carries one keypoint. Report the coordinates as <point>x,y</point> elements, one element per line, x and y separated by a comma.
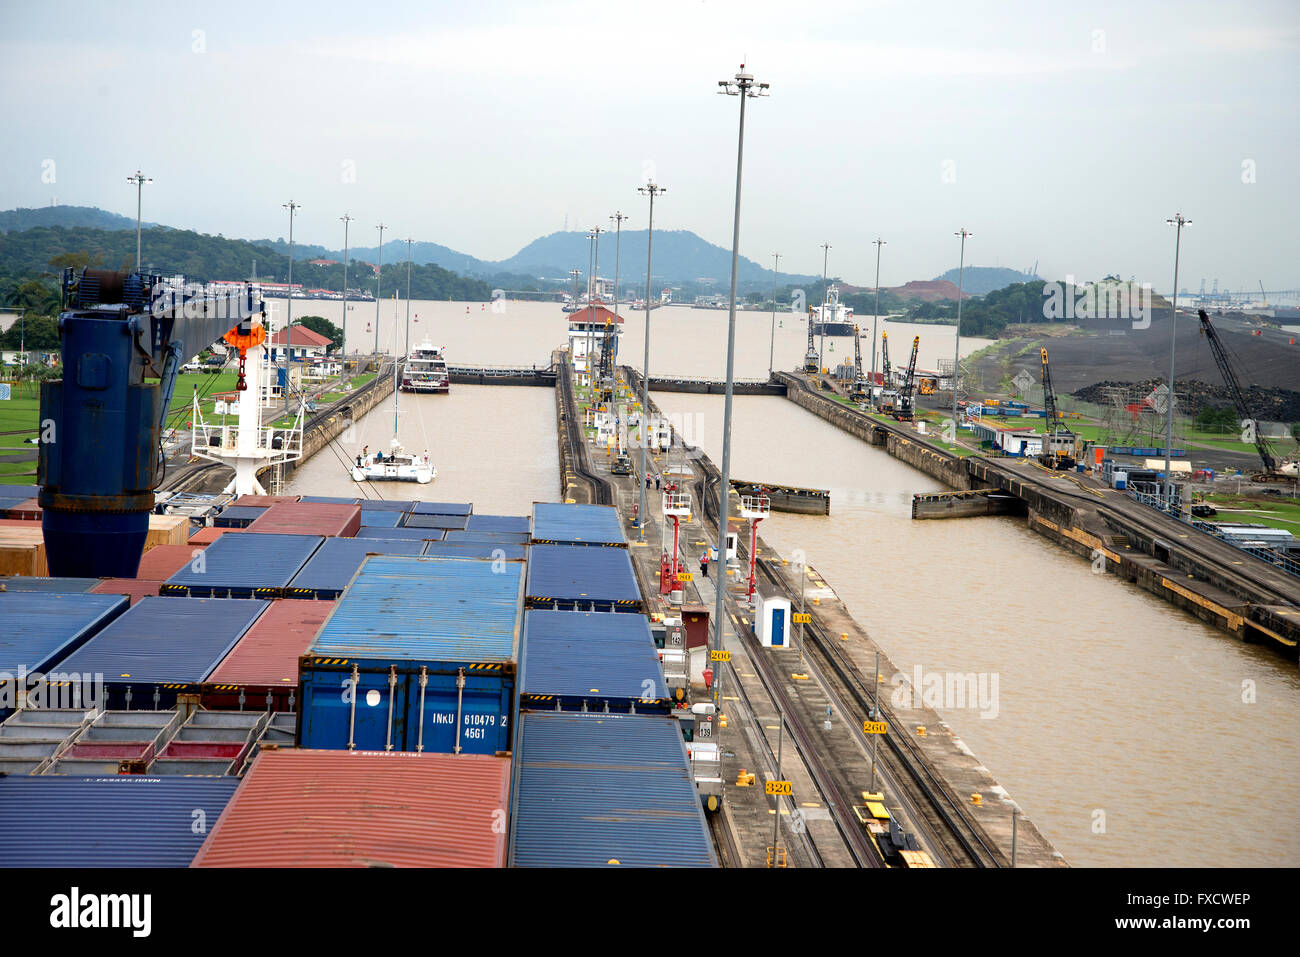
<point>1108,700</point>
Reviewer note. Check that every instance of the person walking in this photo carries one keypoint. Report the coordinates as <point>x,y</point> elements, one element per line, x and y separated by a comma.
<point>704,564</point>
<point>656,481</point>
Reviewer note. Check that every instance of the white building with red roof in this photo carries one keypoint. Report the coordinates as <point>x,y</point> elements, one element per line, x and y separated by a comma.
<point>303,344</point>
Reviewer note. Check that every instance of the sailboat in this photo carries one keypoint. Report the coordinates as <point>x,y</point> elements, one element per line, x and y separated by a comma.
<point>398,465</point>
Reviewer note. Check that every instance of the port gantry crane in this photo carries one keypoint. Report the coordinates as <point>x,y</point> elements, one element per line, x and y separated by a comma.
<point>904,411</point>
<point>1273,470</point>
<point>811,359</point>
<point>103,459</point>
<point>861,390</point>
<point>1060,445</point>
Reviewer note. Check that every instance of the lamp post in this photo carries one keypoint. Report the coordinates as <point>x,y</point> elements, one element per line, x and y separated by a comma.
<point>346,219</point>
<point>651,190</point>
<point>821,347</point>
<point>379,283</point>
<point>961,265</point>
<point>771,349</point>
<point>139,179</point>
<point>618,219</point>
<point>1178,222</point>
<point>292,207</point>
<point>875,319</point>
<point>742,85</point>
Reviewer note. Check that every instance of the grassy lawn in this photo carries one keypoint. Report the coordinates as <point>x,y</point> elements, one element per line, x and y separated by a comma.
<point>1282,513</point>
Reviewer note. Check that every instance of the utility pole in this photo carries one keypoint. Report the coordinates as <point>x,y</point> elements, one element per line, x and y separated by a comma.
<point>742,85</point>
<point>651,190</point>
<point>346,219</point>
<point>874,320</point>
<point>379,282</point>
<point>1179,221</point>
<point>408,297</point>
<point>771,349</point>
<point>139,179</point>
<point>961,266</point>
<point>292,207</point>
<point>821,348</point>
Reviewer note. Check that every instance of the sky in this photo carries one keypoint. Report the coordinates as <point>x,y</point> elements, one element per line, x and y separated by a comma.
<point>1059,136</point>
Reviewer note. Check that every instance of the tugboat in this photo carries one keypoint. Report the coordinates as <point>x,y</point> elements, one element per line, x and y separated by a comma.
<point>426,370</point>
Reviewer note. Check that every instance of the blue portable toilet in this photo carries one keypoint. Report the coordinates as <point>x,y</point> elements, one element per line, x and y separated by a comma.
<point>773,620</point>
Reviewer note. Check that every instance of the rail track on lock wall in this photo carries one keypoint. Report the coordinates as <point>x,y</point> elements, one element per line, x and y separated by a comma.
<point>578,459</point>
<point>930,808</point>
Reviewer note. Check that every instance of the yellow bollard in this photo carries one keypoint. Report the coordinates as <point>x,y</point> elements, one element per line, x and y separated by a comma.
<point>920,731</point>
<point>977,799</point>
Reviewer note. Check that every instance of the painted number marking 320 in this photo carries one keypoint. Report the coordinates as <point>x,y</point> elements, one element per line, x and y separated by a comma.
<point>779,787</point>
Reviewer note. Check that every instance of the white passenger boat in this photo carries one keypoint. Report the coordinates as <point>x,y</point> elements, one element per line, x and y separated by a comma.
<point>398,465</point>
<point>426,370</point>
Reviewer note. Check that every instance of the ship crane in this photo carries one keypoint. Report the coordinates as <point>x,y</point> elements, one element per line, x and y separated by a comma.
<point>861,390</point>
<point>905,411</point>
<point>1273,470</point>
<point>117,331</point>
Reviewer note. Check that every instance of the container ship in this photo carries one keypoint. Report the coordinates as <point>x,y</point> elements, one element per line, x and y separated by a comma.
<point>832,319</point>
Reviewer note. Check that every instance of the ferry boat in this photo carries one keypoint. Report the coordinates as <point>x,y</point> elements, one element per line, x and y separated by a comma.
<point>398,465</point>
<point>426,370</point>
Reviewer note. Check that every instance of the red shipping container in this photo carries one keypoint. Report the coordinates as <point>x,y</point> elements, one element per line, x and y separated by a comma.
<point>27,510</point>
<point>133,588</point>
<point>208,534</point>
<point>306,808</point>
<point>264,500</point>
<point>310,518</point>
<point>163,561</point>
<point>265,661</point>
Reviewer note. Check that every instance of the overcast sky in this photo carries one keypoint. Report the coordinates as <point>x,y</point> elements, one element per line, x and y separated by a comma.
<point>1065,135</point>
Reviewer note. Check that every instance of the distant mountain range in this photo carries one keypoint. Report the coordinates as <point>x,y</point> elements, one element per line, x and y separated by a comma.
<point>92,217</point>
<point>980,280</point>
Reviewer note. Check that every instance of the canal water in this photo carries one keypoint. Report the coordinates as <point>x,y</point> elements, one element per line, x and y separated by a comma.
<point>1128,731</point>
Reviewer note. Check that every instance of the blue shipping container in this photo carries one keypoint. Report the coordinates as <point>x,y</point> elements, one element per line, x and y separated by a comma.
<point>327,500</point>
<point>577,525</point>
<point>123,821</point>
<point>596,790</point>
<point>579,578</point>
<point>473,535</point>
<point>443,508</point>
<point>40,629</point>
<point>420,654</point>
<point>66,586</point>
<point>416,520</point>
<point>499,523</point>
<point>373,519</point>
<point>402,534</point>
<point>385,505</point>
<point>590,661</point>
<point>238,516</point>
<point>336,562</point>
<point>162,647</point>
<point>493,550</point>
<point>247,565</point>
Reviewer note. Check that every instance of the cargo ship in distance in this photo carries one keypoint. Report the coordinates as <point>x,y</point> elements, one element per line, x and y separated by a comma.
<point>832,319</point>
<point>426,370</point>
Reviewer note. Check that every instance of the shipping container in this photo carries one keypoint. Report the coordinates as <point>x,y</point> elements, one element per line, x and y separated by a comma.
<point>386,505</point>
<point>38,630</point>
<point>163,561</point>
<point>123,821</point>
<point>481,536</point>
<point>499,523</point>
<point>327,500</point>
<point>598,790</point>
<point>415,520</point>
<point>338,559</point>
<point>162,647</point>
<point>246,565</point>
<point>67,586</point>
<point>590,661</point>
<point>238,516</point>
<point>133,588</point>
<point>263,668</point>
<point>443,508</point>
<point>402,534</point>
<point>265,500</point>
<point>579,578</point>
<point>373,519</point>
<point>299,518</point>
<point>493,550</point>
<point>577,525</point>
<point>419,655</point>
<point>306,808</point>
<point>207,535</point>
<point>30,737</point>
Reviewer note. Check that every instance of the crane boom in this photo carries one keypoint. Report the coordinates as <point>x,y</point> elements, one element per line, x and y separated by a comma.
<point>905,396</point>
<point>811,358</point>
<point>1234,390</point>
<point>1049,395</point>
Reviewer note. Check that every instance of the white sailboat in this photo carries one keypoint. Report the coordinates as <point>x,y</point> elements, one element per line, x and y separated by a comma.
<point>398,465</point>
